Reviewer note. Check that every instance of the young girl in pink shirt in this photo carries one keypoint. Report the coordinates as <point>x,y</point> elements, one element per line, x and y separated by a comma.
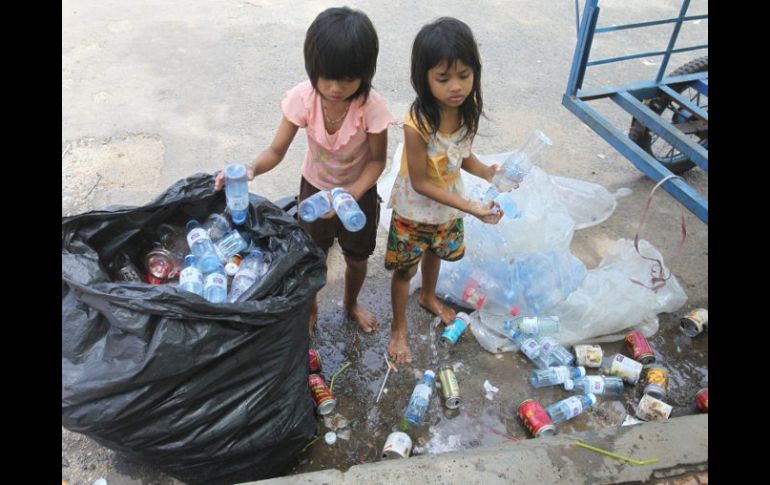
<point>346,124</point>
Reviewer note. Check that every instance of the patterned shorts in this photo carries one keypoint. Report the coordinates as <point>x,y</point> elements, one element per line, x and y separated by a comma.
<point>408,240</point>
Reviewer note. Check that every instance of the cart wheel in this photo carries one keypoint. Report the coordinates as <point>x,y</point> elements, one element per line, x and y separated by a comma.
<point>659,148</point>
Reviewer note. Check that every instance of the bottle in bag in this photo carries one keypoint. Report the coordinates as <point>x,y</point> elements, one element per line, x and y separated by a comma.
<point>518,165</point>
<point>123,269</point>
<point>215,286</point>
<point>202,247</point>
<point>567,409</point>
<point>315,206</point>
<point>237,192</point>
<point>347,210</point>
<point>545,325</point>
<point>596,385</point>
<point>250,269</point>
<point>217,226</point>
<point>191,278</point>
<point>553,376</point>
<point>418,403</point>
<point>231,244</point>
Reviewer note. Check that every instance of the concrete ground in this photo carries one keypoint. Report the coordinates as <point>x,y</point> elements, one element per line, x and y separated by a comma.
<point>155,91</point>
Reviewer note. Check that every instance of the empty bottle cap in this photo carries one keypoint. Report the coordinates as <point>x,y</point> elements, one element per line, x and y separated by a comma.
<point>581,371</point>
<point>592,397</point>
<point>430,373</point>
<point>330,438</point>
<point>569,385</point>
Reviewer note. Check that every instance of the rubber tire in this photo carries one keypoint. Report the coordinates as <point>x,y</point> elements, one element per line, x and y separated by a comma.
<point>642,136</point>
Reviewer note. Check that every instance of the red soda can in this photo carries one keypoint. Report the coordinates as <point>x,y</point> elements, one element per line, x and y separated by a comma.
<point>160,265</point>
<point>639,347</point>
<point>536,419</point>
<point>313,361</point>
<point>702,400</point>
<point>322,395</point>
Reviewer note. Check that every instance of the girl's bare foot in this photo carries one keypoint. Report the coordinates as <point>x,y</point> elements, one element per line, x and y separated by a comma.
<point>433,305</point>
<point>398,348</point>
<point>365,319</point>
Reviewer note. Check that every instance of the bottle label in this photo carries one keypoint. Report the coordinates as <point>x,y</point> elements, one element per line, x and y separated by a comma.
<point>595,384</point>
<point>190,274</point>
<point>547,345</point>
<point>195,235</point>
<point>341,197</point>
<point>530,348</point>
<point>574,406</point>
<point>528,325</point>
<point>562,374</point>
<point>216,280</point>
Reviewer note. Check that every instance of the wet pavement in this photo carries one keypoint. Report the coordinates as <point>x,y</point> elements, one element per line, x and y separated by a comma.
<point>478,421</point>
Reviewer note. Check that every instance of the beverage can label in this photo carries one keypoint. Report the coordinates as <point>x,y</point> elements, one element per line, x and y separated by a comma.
<point>702,400</point>
<point>651,409</point>
<point>397,445</point>
<point>535,419</point>
<point>314,361</point>
<point>693,323</point>
<point>450,389</point>
<point>322,395</point>
<point>589,355</point>
<point>626,368</point>
<point>453,331</point>
<point>639,347</point>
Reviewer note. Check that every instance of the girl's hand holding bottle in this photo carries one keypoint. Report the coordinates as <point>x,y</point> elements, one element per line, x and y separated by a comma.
<point>488,212</point>
<point>219,180</point>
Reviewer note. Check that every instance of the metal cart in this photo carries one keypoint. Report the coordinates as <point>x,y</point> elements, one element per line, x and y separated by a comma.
<point>669,130</point>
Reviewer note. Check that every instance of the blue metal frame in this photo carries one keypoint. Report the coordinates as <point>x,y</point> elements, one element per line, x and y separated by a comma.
<point>630,98</point>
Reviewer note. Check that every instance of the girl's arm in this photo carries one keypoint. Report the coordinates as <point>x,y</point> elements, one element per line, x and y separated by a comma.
<point>417,162</point>
<point>474,166</point>
<point>378,143</point>
<point>271,156</point>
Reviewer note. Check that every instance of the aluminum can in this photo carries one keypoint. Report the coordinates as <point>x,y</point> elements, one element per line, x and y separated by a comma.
<point>397,445</point>
<point>450,389</point>
<point>656,382</point>
<point>536,420</point>
<point>625,367</point>
<point>651,409</point>
<point>160,264</point>
<point>453,331</point>
<point>322,395</point>
<point>589,355</point>
<point>702,400</point>
<point>692,324</point>
<point>639,347</point>
<point>313,361</point>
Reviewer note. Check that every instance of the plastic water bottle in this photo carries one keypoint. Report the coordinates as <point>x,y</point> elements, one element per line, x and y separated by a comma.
<point>191,278</point>
<point>233,243</point>
<point>418,403</point>
<point>527,345</point>
<point>251,268</point>
<point>546,325</point>
<point>518,165</point>
<point>596,385</point>
<point>315,206</point>
<point>237,192</point>
<point>215,286</point>
<point>347,210</point>
<point>555,375</point>
<point>202,247</point>
<point>217,226</point>
<point>552,353</point>
<point>567,409</point>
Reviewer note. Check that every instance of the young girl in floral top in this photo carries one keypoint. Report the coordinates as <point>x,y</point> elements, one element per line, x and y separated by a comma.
<point>427,197</point>
<point>346,124</point>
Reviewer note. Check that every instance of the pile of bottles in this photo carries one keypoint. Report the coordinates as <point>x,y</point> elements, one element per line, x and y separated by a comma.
<point>215,259</point>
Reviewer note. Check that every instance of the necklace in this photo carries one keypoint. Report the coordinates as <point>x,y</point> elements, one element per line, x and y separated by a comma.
<point>334,122</point>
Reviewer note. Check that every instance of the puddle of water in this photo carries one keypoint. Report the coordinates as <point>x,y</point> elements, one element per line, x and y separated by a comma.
<point>479,421</point>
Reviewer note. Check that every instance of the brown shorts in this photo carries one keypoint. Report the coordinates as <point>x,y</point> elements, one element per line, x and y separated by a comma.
<point>355,245</point>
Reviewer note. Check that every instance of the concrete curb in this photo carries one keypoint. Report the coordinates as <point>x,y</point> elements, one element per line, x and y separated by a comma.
<point>680,445</point>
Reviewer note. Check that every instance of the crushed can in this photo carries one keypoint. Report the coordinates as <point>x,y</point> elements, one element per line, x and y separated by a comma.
<point>450,389</point>
<point>456,328</point>
<point>651,409</point>
<point>656,382</point>
<point>322,395</point>
<point>702,400</point>
<point>693,323</point>
<point>535,419</point>
<point>639,347</point>
<point>397,445</point>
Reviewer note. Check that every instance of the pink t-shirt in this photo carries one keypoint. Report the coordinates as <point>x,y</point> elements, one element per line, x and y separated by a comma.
<point>335,160</point>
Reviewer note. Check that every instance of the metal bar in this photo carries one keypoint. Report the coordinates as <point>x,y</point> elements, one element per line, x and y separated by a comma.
<point>648,54</point>
<point>645,162</point>
<point>582,47</point>
<point>577,17</point>
<point>663,128</point>
<point>648,24</point>
<point>642,86</point>
<point>702,86</point>
<point>672,41</point>
<point>686,103</point>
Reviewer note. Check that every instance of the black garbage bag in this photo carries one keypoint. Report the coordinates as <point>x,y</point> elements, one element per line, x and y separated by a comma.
<point>208,393</point>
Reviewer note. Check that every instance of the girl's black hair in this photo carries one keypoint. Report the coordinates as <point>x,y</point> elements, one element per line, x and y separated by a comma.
<point>446,39</point>
<point>341,43</point>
